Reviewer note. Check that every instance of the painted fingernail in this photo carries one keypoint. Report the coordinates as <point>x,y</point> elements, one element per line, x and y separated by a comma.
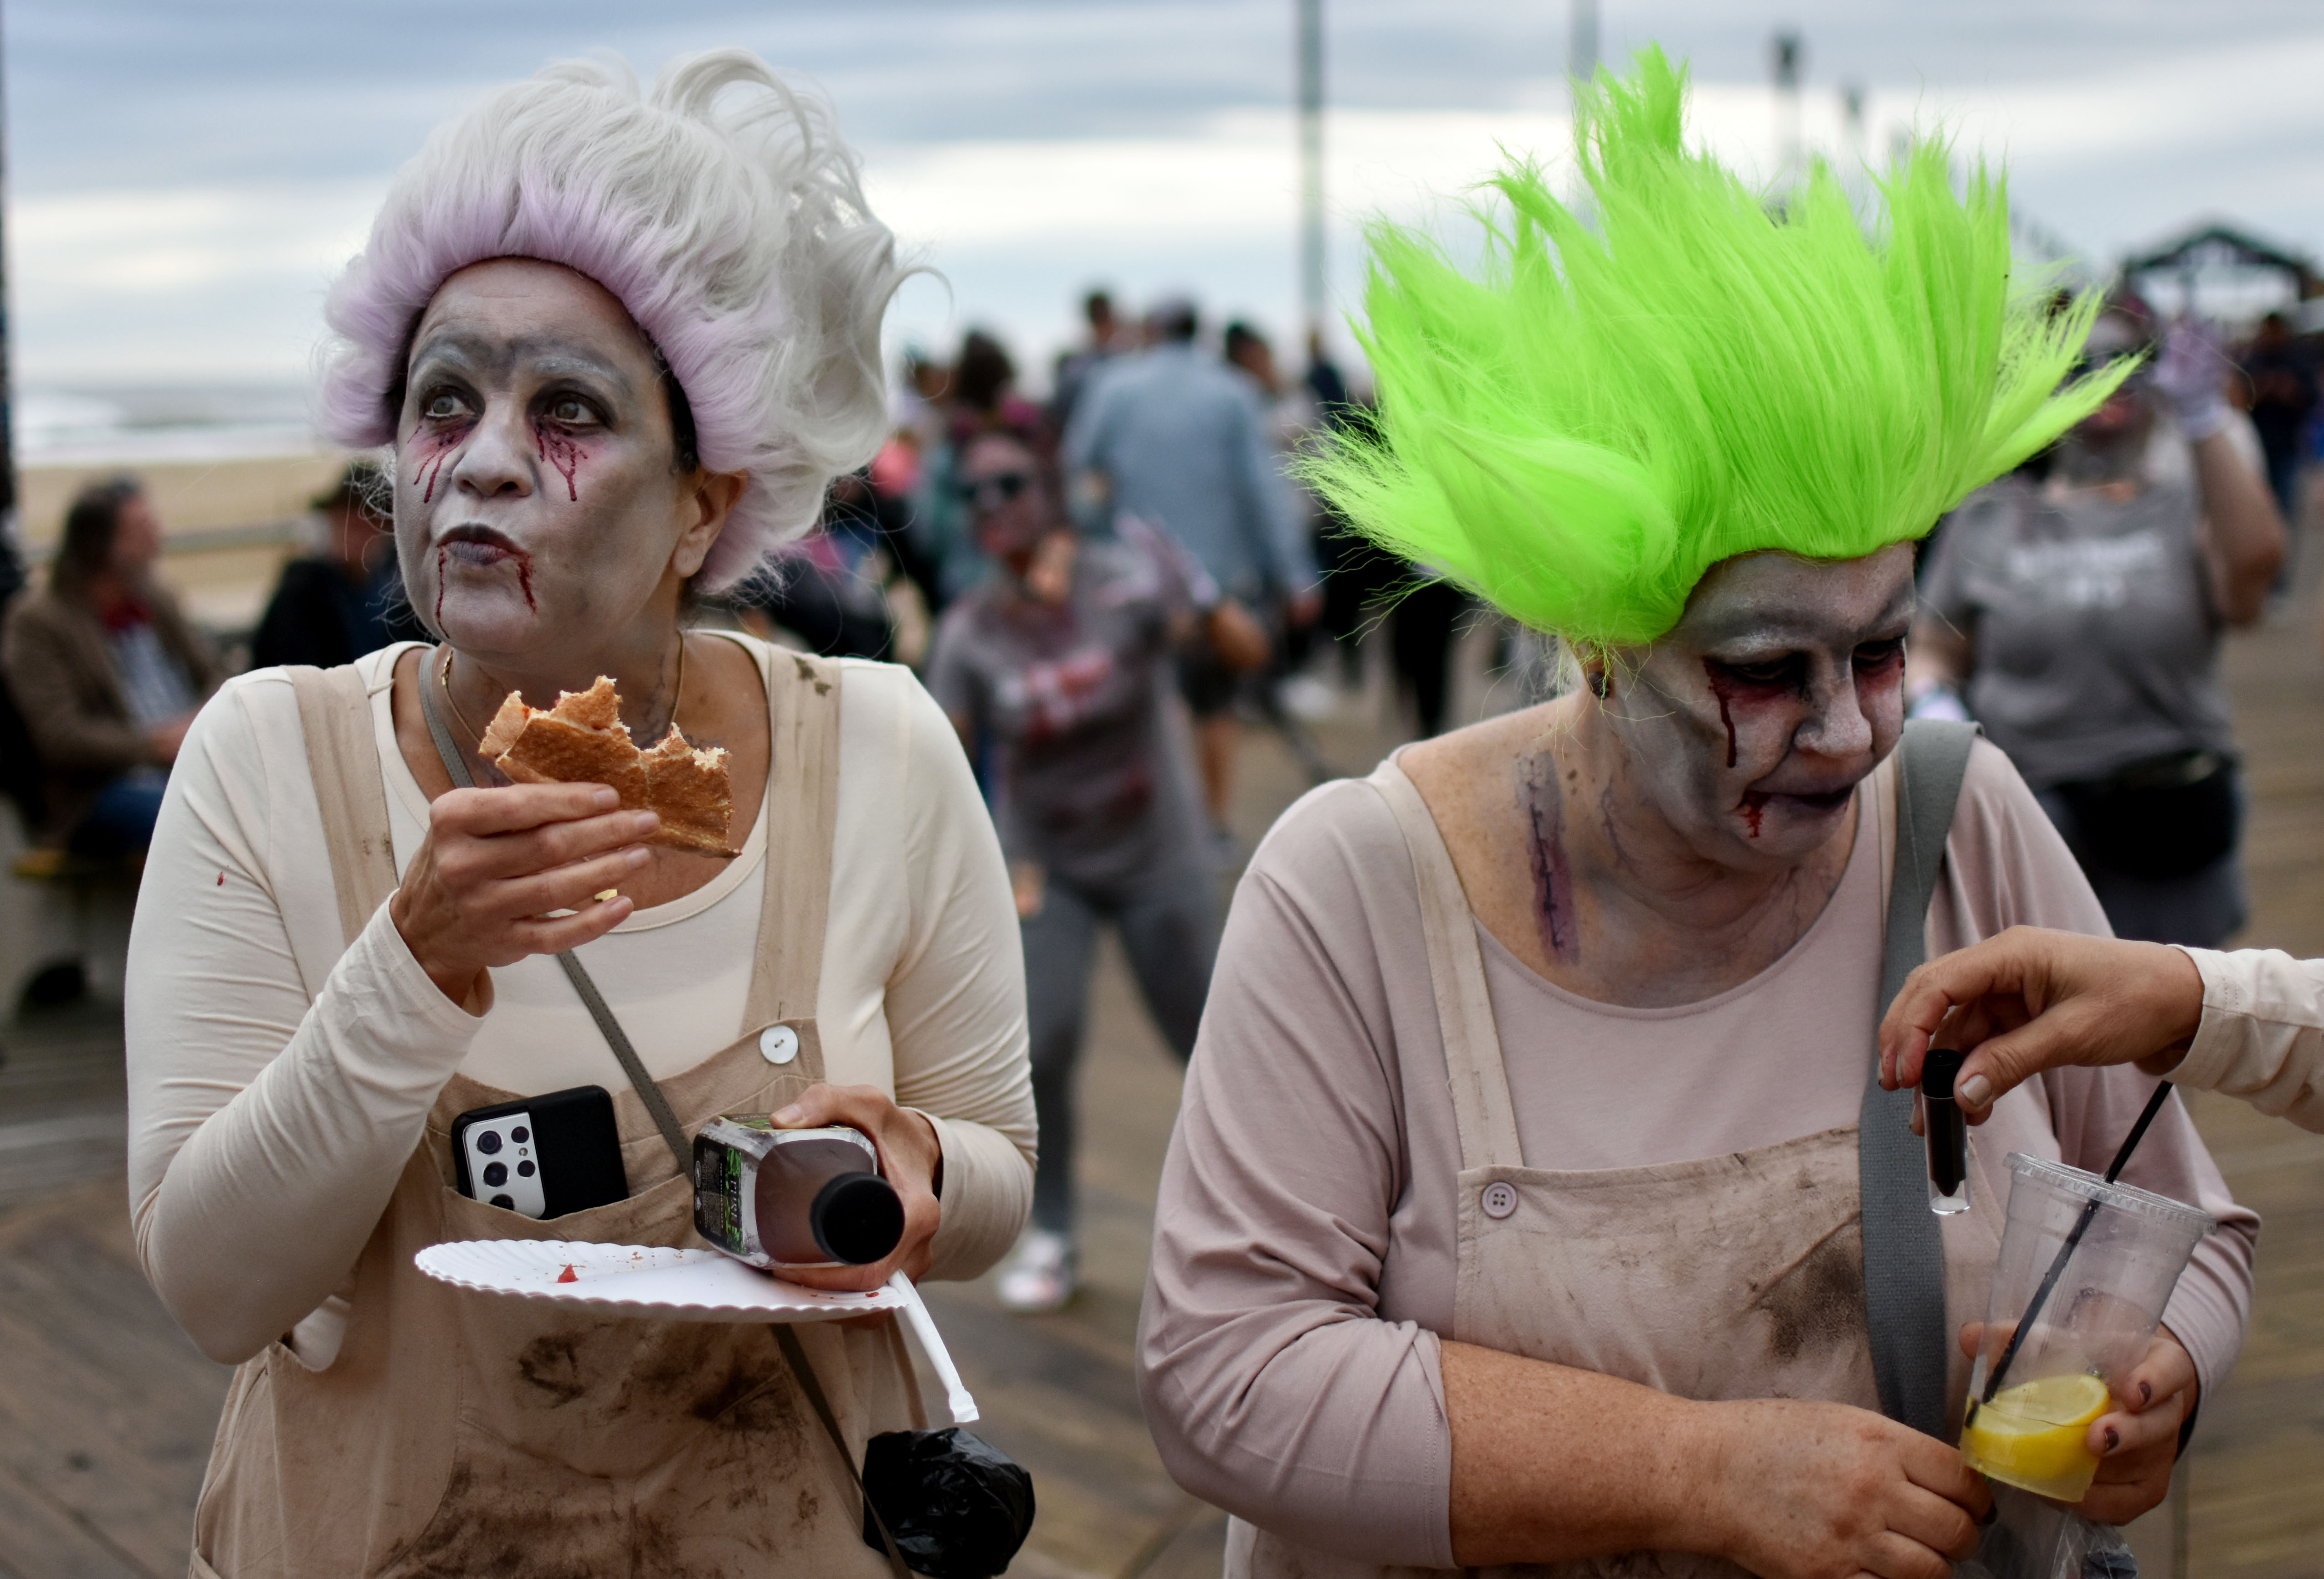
<point>789,1115</point>
<point>1973,1092</point>
<point>605,893</point>
<point>2146,1392</point>
<point>2113,1439</point>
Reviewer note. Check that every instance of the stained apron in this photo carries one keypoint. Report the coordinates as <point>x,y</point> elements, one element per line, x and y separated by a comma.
<point>458,1433</point>
<point>1732,1276</point>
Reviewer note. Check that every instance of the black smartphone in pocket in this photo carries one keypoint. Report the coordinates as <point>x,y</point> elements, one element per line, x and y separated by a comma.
<point>543,1156</point>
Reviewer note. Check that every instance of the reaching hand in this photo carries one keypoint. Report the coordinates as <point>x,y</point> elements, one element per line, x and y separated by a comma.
<point>2031,1000</point>
<point>2191,374</point>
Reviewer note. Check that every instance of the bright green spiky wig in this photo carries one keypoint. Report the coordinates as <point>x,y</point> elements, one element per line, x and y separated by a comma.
<point>1604,411</point>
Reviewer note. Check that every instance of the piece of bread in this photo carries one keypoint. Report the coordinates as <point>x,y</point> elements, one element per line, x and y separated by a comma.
<point>581,740</point>
<point>690,790</point>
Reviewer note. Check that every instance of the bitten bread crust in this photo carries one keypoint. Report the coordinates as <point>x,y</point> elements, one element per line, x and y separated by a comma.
<point>581,740</point>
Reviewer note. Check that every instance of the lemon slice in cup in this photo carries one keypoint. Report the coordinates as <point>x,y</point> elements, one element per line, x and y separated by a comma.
<point>2031,1434</point>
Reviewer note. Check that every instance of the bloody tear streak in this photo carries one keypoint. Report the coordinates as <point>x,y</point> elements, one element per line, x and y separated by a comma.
<point>561,452</point>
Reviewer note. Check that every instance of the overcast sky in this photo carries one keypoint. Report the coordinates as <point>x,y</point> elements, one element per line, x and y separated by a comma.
<point>185,175</point>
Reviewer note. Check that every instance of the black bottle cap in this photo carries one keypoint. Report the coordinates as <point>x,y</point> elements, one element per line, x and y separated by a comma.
<point>1937,1073</point>
<point>857,1218</point>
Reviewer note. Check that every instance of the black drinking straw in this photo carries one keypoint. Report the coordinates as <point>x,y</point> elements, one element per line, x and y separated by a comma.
<point>2065,1251</point>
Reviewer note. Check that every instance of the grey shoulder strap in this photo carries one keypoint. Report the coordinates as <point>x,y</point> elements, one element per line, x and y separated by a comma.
<point>673,1133</point>
<point>1903,1252</point>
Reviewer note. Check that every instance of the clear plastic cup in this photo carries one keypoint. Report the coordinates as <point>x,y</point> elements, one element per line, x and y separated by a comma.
<point>2092,1328</point>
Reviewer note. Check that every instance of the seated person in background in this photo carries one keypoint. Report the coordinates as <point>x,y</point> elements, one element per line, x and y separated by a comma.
<point>107,673</point>
<point>332,606</point>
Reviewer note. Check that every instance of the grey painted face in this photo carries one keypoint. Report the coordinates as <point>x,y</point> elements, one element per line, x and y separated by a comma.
<point>535,503</point>
<point>1746,727</point>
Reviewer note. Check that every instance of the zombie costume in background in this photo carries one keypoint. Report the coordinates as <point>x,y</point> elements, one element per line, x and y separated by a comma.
<point>1396,1130</point>
<point>1095,798</point>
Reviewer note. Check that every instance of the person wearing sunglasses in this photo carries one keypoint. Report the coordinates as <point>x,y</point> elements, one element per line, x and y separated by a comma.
<point>2079,621</point>
<point>1057,670</point>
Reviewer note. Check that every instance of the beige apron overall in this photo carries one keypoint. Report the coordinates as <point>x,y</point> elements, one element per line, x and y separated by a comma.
<point>464,1434</point>
<point>1735,1276</point>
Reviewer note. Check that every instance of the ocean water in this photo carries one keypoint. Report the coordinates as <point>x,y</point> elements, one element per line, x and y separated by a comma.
<point>132,426</point>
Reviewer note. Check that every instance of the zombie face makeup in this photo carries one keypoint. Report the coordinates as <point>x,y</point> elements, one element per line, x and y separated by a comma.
<point>538,505</point>
<point>1000,489</point>
<point>1749,725</point>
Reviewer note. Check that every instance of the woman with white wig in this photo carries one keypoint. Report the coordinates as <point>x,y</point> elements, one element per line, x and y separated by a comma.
<point>618,341</point>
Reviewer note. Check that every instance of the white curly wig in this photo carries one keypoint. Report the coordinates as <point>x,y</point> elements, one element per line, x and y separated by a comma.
<point>722,209</point>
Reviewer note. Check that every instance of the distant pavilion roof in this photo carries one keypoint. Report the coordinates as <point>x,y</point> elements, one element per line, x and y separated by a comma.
<point>2217,245</point>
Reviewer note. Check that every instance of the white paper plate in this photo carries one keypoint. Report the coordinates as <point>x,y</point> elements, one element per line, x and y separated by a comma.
<point>640,1279</point>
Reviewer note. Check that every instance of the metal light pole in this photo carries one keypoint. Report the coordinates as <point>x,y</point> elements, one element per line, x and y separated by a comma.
<point>12,557</point>
<point>1581,43</point>
<point>1311,164</point>
<point>1786,52</point>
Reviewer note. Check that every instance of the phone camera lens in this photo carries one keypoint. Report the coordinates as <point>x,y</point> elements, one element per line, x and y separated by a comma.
<point>489,1141</point>
<point>496,1174</point>
<point>520,1134</point>
<point>523,1169</point>
<point>504,1203</point>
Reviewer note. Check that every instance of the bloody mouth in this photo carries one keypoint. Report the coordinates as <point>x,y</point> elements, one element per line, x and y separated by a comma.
<point>1820,803</point>
<point>484,554</point>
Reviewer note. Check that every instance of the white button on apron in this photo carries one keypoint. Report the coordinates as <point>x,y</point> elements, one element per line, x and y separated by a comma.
<point>778,1043</point>
<point>1501,1200</point>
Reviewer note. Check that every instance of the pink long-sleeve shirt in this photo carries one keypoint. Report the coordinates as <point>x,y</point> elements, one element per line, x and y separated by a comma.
<point>1304,1240</point>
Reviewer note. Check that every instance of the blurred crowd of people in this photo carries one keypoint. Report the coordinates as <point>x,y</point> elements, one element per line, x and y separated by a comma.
<point>1104,587</point>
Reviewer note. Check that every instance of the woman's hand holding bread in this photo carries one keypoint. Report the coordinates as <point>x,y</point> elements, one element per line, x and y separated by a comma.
<point>497,864</point>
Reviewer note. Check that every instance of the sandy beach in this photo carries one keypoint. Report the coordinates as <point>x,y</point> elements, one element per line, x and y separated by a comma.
<point>228,525</point>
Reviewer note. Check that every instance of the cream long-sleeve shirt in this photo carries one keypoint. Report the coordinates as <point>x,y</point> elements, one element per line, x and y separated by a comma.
<point>279,1079</point>
<point>2262,1034</point>
<point>1305,1243</point>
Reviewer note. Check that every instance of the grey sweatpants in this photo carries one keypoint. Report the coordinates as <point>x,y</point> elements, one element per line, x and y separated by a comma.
<point>1169,930</point>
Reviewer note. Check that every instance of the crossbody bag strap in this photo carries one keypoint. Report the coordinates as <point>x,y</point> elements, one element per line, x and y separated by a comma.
<point>795,1354</point>
<point>1903,1250</point>
<point>343,765</point>
<point>673,1133</point>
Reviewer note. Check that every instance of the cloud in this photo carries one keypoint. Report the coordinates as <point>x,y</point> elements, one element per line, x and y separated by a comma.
<point>186,184</point>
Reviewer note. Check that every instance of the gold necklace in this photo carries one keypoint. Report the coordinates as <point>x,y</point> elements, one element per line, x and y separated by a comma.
<point>444,684</point>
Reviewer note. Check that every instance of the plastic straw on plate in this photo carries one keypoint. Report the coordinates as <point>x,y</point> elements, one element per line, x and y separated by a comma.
<point>932,1345</point>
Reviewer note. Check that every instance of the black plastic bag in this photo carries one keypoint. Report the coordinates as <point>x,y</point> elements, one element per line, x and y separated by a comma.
<point>957,1506</point>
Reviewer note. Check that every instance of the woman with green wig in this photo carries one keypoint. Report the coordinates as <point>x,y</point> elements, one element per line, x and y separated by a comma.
<point>1518,1210</point>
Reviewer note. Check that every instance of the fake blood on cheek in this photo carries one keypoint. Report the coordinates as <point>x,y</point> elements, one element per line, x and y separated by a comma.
<point>559,449</point>
<point>1734,690</point>
<point>434,448</point>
